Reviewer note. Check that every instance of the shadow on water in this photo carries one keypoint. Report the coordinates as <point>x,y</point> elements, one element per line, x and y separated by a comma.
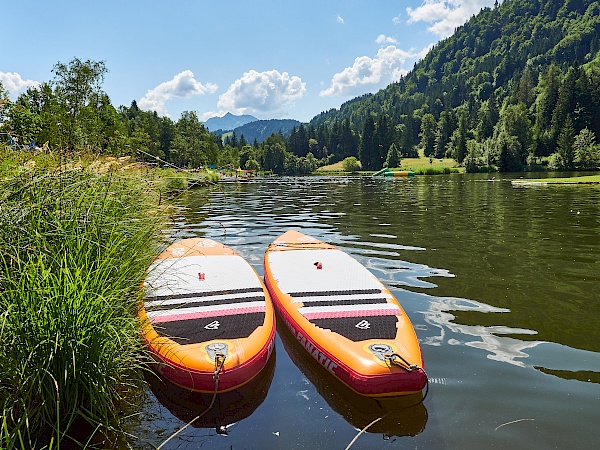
<point>398,416</point>
<point>229,407</point>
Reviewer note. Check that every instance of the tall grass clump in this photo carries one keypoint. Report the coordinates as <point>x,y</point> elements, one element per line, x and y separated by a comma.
<point>172,181</point>
<point>74,247</point>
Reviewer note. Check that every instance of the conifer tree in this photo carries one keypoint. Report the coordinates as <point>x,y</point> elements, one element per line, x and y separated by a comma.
<point>393,157</point>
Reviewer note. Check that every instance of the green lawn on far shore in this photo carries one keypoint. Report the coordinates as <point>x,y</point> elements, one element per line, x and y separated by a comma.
<point>588,179</point>
<point>415,164</point>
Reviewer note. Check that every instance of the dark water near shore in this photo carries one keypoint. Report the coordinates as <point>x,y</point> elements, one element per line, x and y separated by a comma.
<point>501,283</point>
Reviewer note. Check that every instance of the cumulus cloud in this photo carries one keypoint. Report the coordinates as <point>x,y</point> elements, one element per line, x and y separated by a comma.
<point>368,73</point>
<point>183,85</point>
<point>383,39</point>
<point>340,19</point>
<point>445,15</point>
<point>15,84</point>
<point>266,94</point>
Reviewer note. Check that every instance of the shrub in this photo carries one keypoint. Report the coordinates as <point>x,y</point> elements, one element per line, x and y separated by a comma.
<point>351,164</point>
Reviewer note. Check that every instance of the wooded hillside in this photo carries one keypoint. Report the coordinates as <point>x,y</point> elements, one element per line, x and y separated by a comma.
<point>517,82</point>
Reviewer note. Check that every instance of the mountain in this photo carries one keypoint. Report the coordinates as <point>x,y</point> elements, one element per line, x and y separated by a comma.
<point>534,61</point>
<point>262,129</point>
<point>228,122</point>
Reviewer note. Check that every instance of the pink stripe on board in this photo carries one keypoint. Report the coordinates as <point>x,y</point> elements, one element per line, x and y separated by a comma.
<point>204,314</point>
<point>351,313</point>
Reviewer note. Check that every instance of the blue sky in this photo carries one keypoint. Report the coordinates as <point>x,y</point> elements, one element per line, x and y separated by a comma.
<point>271,59</point>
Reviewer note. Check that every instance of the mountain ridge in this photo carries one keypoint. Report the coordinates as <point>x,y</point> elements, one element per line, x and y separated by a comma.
<point>260,130</point>
<point>228,122</point>
<point>509,83</point>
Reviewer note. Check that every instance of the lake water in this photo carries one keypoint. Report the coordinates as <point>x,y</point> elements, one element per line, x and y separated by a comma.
<point>501,283</point>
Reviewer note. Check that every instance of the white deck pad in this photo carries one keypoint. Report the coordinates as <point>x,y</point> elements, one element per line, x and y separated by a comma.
<point>176,276</point>
<point>295,271</point>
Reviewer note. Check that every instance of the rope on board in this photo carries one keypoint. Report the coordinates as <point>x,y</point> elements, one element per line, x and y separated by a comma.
<point>397,360</point>
<point>219,363</point>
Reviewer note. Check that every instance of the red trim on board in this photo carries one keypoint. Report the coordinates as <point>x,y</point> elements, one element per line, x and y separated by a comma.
<point>230,377</point>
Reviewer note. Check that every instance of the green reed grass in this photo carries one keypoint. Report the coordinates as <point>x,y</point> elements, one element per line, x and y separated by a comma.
<point>172,180</point>
<point>74,247</point>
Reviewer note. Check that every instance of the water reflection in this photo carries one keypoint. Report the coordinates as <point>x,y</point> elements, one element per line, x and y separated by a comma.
<point>579,375</point>
<point>448,247</point>
<point>400,416</point>
<point>500,348</point>
<point>229,407</point>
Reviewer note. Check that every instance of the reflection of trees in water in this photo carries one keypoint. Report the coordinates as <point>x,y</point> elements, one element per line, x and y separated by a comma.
<point>586,376</point>
<point>501,348</point>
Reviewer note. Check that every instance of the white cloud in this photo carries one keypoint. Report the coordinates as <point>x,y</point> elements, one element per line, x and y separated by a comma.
<point>266,94</point>
<point>340,19</point>
<point>369,73</point>
<point>183,85</point>
<point>383,39</point>
<point>15,85</point>
<point>445,15</point>
<point>397,20</point>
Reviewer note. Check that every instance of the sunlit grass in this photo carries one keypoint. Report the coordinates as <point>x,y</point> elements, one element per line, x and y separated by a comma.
<point>420,166</point>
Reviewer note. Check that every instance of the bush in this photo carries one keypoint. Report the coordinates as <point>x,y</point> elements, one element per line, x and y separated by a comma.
<point>556,162</point>
<point>351,164</point>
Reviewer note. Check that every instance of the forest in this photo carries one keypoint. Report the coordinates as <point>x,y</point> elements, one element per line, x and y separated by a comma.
<point>72,112</point>
<point>515,88</point>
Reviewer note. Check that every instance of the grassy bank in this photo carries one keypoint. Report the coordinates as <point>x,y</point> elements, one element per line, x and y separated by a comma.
<point>75,240</point>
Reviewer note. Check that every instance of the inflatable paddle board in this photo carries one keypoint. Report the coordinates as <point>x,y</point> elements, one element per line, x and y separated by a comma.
<point>344,316</point>
<point>205,309</point>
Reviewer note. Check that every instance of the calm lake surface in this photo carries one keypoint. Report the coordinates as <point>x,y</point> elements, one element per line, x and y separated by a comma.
<point>502,285</point>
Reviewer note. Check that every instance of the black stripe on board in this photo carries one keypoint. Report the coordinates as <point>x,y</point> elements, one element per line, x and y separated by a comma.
<point>195,331</point>
<point>328,293</point>
<point>223,301</point>
<point>361,328</point>
<point>204,294</point>
<point>354,301</point>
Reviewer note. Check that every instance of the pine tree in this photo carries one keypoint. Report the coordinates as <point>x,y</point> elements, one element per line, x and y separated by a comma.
<point>427,134</point>
<point>564,144</point>
<point>393,157</point>
<point>367,151</point>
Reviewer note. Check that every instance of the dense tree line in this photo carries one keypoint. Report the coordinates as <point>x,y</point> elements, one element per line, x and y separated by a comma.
<point>516,86</point>
<point>72,113</point>
<point>517,83</point>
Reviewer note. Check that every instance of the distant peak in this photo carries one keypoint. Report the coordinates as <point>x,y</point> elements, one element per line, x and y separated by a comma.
<point>228,122</point>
